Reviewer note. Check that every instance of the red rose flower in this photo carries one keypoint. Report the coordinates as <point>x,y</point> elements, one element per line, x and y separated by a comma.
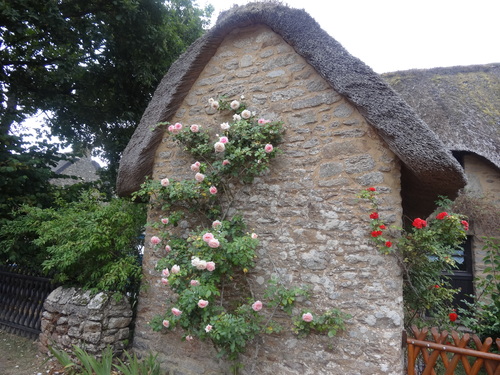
<point>371,189</point>
<point>376,233</point>
<point>453,316</point>
<point>441,215</point>
<point>465,224</point>
<point>374,215</point>
<point>419,223</point>
<point>388,244</point>
<point>382,226</point>
<point>436,286</point>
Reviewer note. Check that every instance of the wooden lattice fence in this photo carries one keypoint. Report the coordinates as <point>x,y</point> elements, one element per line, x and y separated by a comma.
<point>21,300</point>
<point>440,352</point>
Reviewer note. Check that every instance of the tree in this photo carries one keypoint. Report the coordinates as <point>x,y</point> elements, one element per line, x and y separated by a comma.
<point>90,65</point>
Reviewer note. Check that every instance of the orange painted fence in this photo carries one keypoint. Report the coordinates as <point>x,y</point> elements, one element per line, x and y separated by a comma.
<point>439,349</point>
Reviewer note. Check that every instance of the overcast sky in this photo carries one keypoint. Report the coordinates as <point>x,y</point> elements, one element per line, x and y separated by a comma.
<point>390,35</point>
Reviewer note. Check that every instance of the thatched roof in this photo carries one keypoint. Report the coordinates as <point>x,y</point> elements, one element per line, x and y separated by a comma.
<point>460,104</point>
<point>431,169</point>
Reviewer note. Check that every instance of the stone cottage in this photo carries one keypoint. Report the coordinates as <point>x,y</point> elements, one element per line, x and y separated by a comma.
<point>462,106</point>
<point>346,130</point>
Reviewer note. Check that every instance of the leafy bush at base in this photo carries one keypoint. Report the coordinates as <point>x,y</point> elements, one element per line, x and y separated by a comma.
<point>89,243</point>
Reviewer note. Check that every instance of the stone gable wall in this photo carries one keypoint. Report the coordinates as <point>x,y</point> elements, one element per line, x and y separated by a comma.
<point>313,229</point>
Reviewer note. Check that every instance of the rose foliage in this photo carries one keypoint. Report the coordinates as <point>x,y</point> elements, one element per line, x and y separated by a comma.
<point>207,267</point>
<point>425,252</point>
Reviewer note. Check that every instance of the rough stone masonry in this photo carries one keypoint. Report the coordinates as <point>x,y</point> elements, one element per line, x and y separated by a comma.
<point>313,229</point>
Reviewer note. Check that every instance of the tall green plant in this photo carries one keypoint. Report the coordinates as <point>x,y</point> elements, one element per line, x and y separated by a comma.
<point>425,253</point>
<point>482,315</point>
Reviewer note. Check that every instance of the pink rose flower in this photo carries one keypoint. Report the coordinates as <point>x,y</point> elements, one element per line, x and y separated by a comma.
<point>225,126</point>
<point>254,236</point>
<point>168,249</point>
<point>207,236</point>
<point>164,281</point>
<point>189,338</point>
<point>171,129</point>
<point>307,317</point>
<point>214,243</point>
<point>155,240</point>
<point>219,147</point>
<point>268,148</point>
<point>201,264</point>
<point>194,282</point>
<point>210,266</point>
<point>165,182</point>
<point>176,311</point>
<point>214,104</point>
<point>202,303</point>
<point>165,272</point>
<point>216,224</point>
<point>166,323</point>
<point>199,177</point>
<point>164,220</point>
<point>175,269</point>
<point>246,114</point>
<point>236,117</point>
<point>234,105</point>
<point>208,328</point>
<point>195,128</point>
<point>195,167</point>
<point>178,126</point>
<point>257,306</point>
<point>261,121</point>
<point>223,140</point>
<point>225,162</point>
<point>212,190</point>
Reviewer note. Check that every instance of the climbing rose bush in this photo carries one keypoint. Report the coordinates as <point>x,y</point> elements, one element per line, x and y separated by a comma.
<point>220,251</point>
<point>425,252</point>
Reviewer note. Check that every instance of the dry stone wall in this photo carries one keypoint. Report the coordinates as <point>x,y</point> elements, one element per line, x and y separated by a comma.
<point>312,227</point>
<point>75,317</point>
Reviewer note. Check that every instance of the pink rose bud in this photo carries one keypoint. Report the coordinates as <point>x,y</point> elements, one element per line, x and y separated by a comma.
<point>268,148</point>
<point>171,129</point>
<point>214,243</point>
<point>307,317</point>
<point>166,323</point>
<point>208,236</point>
<point>223,140</point>
<point>189,338</point>
<point>219,147</point>
<point>199,177</point>
<point>195,167</point>
<point>168,249</point>
<point>164,281</point>
<point>175,269</point>
<point>194,282</point>
<point>208,328</point>
<point>165,182</point>
<point>213,190</point>
<point>210,266</point>
<point>176,311</point>
<point>165,272</point>
<point>155,240</point>
<point>254,236</point>
<point>202,303</point>
<point>257,306</point>
<point>216,224</point>
<point>225,162</point>
<point>164,220</point>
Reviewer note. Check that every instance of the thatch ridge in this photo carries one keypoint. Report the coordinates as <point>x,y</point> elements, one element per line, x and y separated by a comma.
<point>461,104</point>
<point>422,153</point>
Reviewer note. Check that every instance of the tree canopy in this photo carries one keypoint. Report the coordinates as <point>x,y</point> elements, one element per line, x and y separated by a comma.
<point>90,65</point>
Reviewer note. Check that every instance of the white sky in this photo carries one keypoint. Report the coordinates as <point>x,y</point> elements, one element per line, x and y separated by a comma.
<point>390,35</point>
